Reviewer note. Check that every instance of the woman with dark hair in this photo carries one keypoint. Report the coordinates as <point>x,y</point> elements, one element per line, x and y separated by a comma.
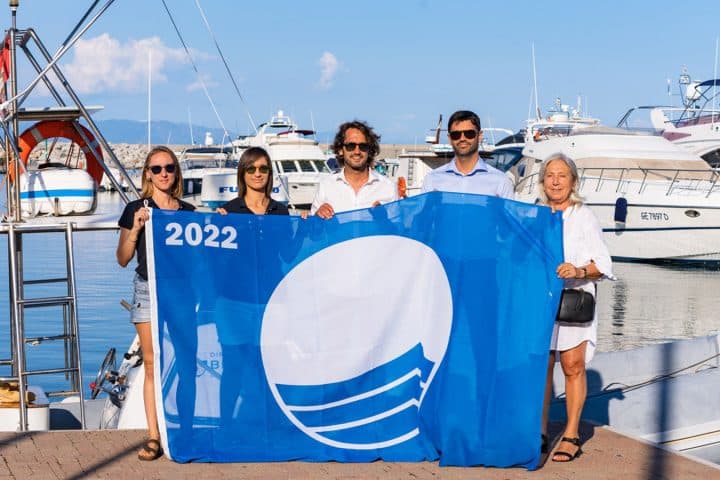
<point>254,179</point>
<point>586,261</point>
<point>162,188</point>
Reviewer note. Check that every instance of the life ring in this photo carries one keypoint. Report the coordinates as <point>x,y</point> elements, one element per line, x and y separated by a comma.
<point>402,187</point>
<point>61,129</point>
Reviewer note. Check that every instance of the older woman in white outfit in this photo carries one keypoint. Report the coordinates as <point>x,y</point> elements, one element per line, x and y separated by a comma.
<point>587,260</point>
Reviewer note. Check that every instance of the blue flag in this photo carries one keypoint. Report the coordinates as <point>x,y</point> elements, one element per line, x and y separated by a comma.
<point>416,330</point>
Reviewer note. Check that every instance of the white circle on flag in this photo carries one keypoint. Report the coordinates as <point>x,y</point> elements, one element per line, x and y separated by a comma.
<point>348,309</point>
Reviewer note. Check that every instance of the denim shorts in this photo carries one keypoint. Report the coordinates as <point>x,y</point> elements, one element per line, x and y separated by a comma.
<point>140,312</point>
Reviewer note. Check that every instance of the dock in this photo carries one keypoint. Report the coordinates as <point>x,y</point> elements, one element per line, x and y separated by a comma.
<point>74,454</point>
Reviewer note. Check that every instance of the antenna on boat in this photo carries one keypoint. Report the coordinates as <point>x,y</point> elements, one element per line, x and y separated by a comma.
<point>149,106</point>
<point>535,89</point>
<point>192,138</point>
<point>715,84</point>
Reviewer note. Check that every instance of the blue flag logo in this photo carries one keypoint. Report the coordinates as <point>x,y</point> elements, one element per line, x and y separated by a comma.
<point>417,330</point>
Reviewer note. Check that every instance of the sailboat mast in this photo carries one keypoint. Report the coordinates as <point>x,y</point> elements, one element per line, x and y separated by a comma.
<point>149,105</point>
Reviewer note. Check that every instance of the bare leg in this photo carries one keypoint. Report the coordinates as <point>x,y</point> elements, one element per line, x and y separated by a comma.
<point>573,365</point>
<point>144,332</point>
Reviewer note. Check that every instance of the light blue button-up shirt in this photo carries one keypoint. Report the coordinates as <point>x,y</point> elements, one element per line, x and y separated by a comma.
<point>483,180</point>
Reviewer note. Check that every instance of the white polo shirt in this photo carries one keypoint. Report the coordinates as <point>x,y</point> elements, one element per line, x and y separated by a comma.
<point>336,191</point>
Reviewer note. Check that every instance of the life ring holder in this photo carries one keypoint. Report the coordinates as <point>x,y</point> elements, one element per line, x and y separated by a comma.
<point>69,130</point>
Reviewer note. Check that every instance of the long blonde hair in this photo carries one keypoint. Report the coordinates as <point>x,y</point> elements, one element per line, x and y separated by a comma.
<point>575,197</point>
<point>147,187</point>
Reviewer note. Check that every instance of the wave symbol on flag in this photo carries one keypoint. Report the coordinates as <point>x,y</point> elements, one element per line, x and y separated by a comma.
<point>350,353</point>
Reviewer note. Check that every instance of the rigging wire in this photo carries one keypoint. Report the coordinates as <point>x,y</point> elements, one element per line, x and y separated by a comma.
<point>197,72</point>
<point>62,50</point>
<point>227,67</point>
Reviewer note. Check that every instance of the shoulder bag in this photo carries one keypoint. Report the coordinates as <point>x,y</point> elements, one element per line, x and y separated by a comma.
<point>577,307</point>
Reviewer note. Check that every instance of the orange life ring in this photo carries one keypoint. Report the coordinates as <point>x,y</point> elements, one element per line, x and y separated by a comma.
<point>402,187</point>
<point>61,129</point>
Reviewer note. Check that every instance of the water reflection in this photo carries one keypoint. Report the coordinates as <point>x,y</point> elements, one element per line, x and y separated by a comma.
<point>653,304</point>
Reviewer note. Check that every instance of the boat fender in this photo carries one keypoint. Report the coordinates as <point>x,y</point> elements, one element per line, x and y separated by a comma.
<point>402,187</point>
<point>621,210</point>
<point>68,129</point>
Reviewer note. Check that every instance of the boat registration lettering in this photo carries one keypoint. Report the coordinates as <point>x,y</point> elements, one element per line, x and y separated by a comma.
<point>194,235</point>
<point>654,216</point>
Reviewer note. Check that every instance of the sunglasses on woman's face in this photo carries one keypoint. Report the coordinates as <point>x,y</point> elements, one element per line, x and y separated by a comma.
<point>264,169</point>
<point>156,169</point>
<point>469,134</point>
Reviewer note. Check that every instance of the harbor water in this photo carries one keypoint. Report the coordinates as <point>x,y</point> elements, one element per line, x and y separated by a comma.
<point>647,304</point>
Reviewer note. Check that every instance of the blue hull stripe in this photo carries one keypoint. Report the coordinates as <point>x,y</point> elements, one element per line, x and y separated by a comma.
<point>57,194</point>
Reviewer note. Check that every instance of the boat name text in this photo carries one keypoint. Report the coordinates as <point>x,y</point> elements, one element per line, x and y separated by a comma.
<point>654,216</point>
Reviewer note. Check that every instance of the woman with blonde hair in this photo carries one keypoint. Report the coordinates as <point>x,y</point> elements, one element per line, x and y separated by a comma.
<point>586,261</point>
<point>162,188</point>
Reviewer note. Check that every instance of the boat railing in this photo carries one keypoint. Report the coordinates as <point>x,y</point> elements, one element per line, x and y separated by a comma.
<point>636,179</point>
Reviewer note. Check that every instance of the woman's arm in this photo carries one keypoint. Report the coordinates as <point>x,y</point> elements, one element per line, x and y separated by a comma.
<point>127,244</point>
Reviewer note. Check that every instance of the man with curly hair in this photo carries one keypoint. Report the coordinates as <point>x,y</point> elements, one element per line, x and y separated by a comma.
<point>357,184</point>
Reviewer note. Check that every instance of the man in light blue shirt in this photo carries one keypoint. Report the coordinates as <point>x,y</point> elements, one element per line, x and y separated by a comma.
<point>467,172</point>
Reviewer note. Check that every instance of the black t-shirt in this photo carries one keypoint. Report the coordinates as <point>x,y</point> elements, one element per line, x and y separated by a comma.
<point>126,221</point>
<point>237,205</point>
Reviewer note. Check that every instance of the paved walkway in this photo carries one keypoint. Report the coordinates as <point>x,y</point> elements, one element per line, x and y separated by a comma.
<point>112,454</point>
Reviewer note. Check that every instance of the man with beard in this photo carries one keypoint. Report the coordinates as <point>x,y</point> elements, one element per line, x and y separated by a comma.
<point>467,172</point>
<point>356,185</point>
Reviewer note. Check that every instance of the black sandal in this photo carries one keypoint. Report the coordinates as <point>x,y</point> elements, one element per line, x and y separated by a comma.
<point>566,456</point>
<point>152,447</point>
<point>543,443</point>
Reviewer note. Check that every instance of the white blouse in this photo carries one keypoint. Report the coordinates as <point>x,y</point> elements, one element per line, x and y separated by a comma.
<point>583,243</point>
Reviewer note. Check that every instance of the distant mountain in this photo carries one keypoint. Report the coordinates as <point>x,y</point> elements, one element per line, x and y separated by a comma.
<point>162,132</point>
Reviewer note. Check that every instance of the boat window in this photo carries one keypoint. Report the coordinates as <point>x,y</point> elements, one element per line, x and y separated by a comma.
<point>503,160</point>
<point>321,166</point>
<point>306,166</point>
<point>288,166</point>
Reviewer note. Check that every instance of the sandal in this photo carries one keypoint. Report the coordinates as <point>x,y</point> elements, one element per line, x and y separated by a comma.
<point>566,457</point>
<point>543,443</point>
<point>151,447</point>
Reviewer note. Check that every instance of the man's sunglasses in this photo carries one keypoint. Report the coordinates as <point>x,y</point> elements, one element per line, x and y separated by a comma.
<point>350,146</point>
<point>263,169</point>
<point>469,134</point>
<point>156,169</point>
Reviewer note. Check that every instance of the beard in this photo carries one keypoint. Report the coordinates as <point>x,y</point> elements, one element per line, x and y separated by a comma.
<point>471,149</point>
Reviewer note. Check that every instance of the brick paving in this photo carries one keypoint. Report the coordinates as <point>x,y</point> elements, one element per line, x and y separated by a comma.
<point>113,454</point>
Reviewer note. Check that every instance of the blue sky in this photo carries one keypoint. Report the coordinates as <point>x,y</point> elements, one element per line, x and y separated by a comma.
<point>397,64</point>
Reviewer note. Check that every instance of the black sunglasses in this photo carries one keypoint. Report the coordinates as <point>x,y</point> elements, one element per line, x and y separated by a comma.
<point>263,169</point>
<point>469,134</point>
<point>350,146</point>
<point>156,169</point>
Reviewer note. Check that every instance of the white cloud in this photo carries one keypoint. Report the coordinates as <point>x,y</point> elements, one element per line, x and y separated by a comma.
<point>103,63</point>
<point>329,66</point>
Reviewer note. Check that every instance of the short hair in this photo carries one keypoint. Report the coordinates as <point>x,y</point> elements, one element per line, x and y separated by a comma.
<point>372,138</point>
<point>575,196</point>
<point>462,115</point>
<point>147,188</point>
<point>250,156</point>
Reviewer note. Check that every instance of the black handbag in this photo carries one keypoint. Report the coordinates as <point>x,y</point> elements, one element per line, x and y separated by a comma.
<point>576,307</point>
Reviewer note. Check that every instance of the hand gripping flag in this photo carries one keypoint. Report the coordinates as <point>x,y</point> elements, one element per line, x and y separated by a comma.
<point>416,330</point>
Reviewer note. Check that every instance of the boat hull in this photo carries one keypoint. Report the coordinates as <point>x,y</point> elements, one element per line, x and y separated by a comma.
<point>57,191</point>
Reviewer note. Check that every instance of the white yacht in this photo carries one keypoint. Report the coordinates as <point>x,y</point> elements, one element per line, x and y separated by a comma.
<point>656,201</point>
<point>695,125</point>
<point>298,160</point>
